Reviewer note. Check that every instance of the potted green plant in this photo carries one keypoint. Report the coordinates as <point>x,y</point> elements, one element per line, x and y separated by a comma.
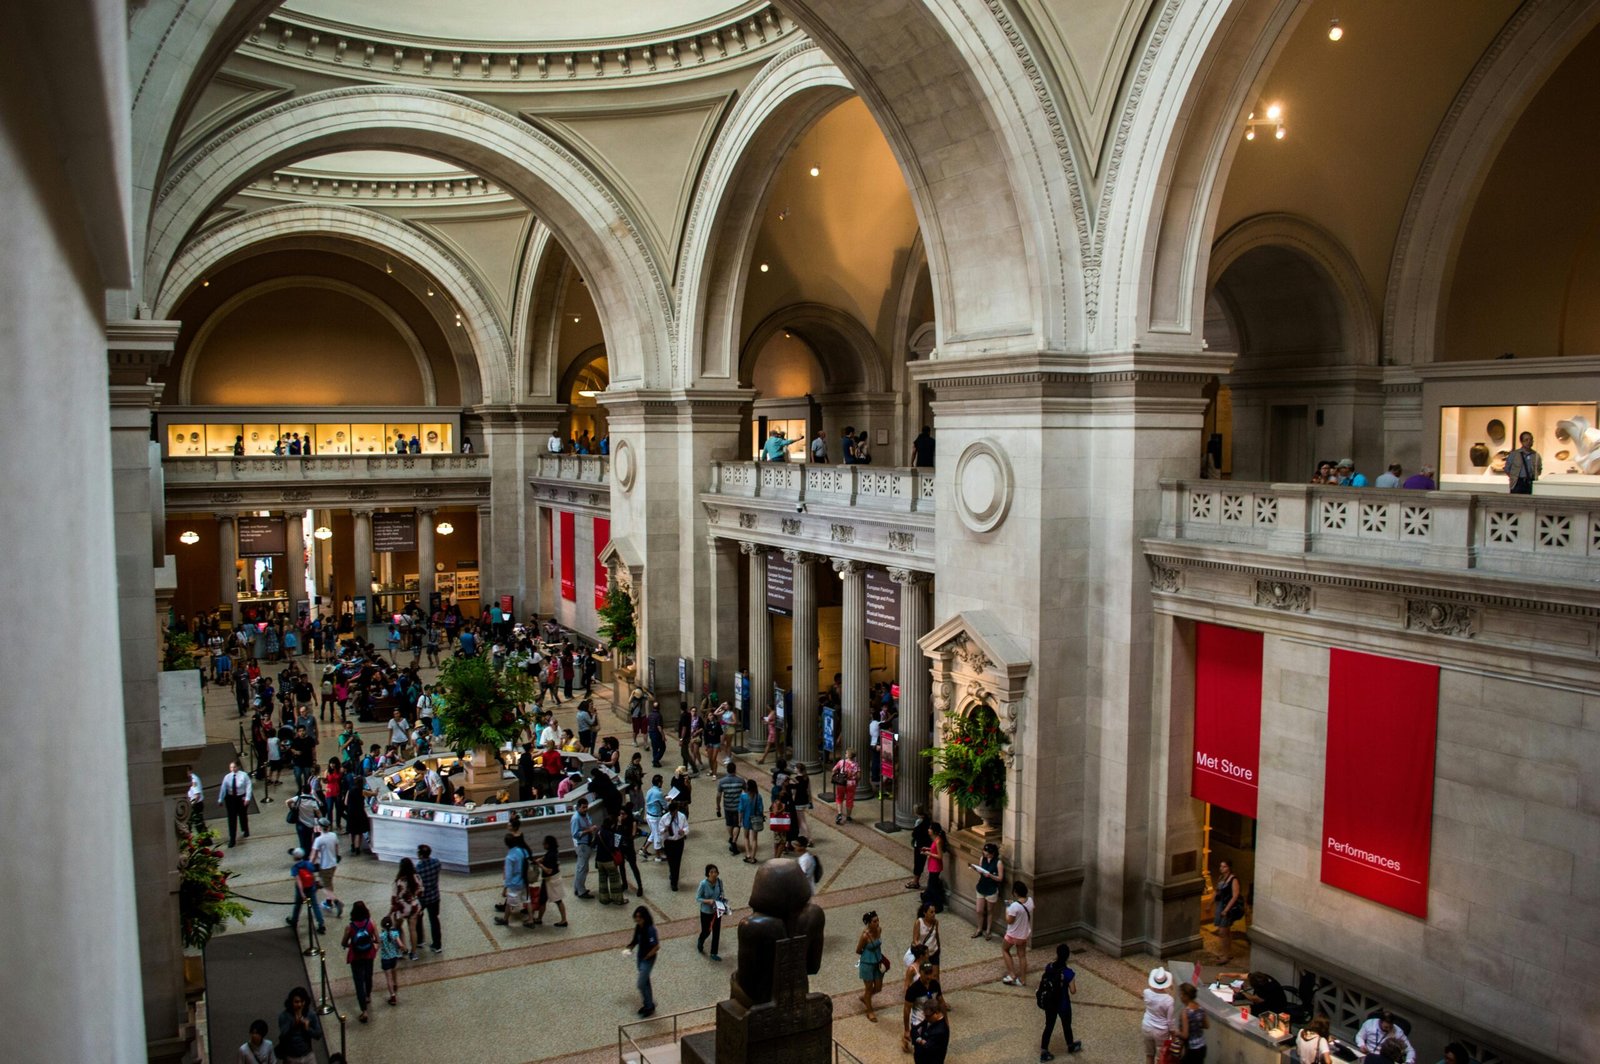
<point>617,628</point>
<point>970,764</point>
<point>205,901</point>
<point>480,710</point>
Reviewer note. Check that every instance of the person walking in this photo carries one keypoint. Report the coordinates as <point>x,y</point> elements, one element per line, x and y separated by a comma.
<point>548,867</point>
<point>583,829</point>
<point>627,833</point>
<point>846,775</point>
<point>304,877</point>
<point>925,933</point>
<point>405,901</point>
<point>646,945</point>
<point>932,1045</point>
<point>991,873</point>
<point>1192,1024</point>
<point>515,883</point>
<point>1057,984</point>
<point>658,739</point>
<point>428,868</point>
<point>257,1049</point>
<point>360,943</point>
<point>921,998</point>
<point>935,853</point>
<point>1159,1014</point>
<point>872,964</point>
<point>325,859</point>
<point>1227,906</point>
<point>234,796</point>
<point>1019,928</point>
<point>921,839</point>
<point>751,819</point>
<point>299,1028</point>
<point>391,949</point>
<point>303,812</point>
<point>674,833</point>
<point>608,863</point>
<point>713,906</point>
<point>730,792</point>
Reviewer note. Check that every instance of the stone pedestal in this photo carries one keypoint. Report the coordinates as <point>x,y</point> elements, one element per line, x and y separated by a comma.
<point>483,776</point>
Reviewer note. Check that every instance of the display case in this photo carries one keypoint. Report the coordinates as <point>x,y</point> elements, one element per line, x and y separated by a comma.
<point>201,433</point>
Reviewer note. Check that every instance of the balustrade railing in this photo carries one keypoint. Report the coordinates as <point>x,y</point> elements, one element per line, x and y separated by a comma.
<point>1523,535</point>
<point>890,488</point>
<point>323,467</point>
<point>578,468</point>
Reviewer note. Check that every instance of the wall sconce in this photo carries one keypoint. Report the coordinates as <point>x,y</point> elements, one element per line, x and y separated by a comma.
<point>189,538</point>
<point>323,532</point>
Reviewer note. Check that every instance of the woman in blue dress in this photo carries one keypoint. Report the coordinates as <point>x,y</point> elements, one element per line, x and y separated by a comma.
<point>869,947</point>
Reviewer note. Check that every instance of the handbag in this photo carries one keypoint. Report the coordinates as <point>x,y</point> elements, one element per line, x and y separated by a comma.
<point>758,823</point>
<point>780,822</point>
<point>1172,1049</point>
<point>841,778</point>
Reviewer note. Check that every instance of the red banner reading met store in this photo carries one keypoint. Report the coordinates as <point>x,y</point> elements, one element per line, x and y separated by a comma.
<point>1377,808</point>
<point>1227,717</point>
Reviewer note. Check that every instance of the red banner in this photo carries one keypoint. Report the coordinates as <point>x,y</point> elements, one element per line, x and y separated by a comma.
<point>1377,806</point>
<point>1227,717</point>
<point>602,536</point>
<point>569,548</point>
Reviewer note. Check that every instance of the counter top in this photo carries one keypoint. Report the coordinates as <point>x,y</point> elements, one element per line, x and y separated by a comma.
<point>1223,1012</point>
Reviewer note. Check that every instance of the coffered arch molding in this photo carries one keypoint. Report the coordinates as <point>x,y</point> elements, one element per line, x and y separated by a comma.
<point>1529,48</point>
<point>628,287</point>
<point>849,356</point>
<point>482,355</point>
<point>528,312</point>
<point>1358,320</point>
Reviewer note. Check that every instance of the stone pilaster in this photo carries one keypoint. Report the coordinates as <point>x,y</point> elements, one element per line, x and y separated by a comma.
<point>228,566</point>
<point>361,567</point>
<point>853,663</point>
<point>514,435</point>
<point>911,770</point>
<point>486,585</point>
<point>425,555</point>
<point>759,661</point>
<point>295,559</point>
<point>803,684</point>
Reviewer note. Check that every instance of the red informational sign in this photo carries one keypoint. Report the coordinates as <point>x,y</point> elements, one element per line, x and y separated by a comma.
<point>569,563</point>
<point>1227,717</point>
<point>505,606</point>
<point>1377,806</point>
<point>886,753</point>
<point>602,537</point>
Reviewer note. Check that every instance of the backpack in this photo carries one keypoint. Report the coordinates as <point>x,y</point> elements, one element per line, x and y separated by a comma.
<point>306,878</point>
<point>1048,996</point>
<point>361,937</point>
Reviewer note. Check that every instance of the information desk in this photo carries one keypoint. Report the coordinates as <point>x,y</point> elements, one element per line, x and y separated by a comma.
<point>470,839</point>
<point>1229,1039</point>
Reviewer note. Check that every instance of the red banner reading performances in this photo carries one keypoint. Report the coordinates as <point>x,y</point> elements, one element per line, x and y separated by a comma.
<point>602,536</point>
<point>1377,812</point>
<point>1227,717</point>
<point>569,563</point>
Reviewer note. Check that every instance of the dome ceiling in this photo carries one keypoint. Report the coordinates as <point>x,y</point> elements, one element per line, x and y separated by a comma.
<point>547,21</point>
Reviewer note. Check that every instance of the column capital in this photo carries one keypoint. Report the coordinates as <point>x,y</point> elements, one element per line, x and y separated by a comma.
<point>224,515</point>
<point>753,549</point>
<point>910,577</point>
<point>427,511</point>
<point>848,567</point>
<point>363,511</point>
<point>800,557</point>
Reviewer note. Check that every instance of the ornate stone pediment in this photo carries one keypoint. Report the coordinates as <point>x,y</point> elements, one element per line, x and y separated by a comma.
<point>974,662</point>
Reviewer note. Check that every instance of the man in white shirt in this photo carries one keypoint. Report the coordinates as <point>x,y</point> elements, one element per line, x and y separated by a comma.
<point>550,735</point>
<point>234,797</point>
<point>432,784</point>
<point>807,861</point>
<point>400,731</point>
<point>554,443</point>
<point>1380,1029</point>
<point>1019,928</point>
<point>819,447</point>
<point>325,859</point>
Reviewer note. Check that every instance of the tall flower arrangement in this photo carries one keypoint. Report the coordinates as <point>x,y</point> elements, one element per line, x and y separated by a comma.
<point>616,620</point>
<point>205,901</point>
<point>969,765</point>
<point>478,705</point>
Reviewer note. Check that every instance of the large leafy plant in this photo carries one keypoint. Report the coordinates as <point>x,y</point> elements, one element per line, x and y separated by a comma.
<point>205,901</point>
<point>970,764</point>
<point>479,705</point>
<point>616,620</point>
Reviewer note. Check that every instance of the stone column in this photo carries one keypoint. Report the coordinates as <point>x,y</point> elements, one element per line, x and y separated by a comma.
<point>911,770</point>
<point>361,569</point>
<point>759,661</point>
<point>853,733</point>
<point>228,566</point>
<point>803,714</point>
<point>294,547</point>
<point>425,558</point>
<point>486,573</point>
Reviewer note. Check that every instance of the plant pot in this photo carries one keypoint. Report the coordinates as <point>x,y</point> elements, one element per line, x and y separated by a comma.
<point>990,815</point>
<point>483,776</point>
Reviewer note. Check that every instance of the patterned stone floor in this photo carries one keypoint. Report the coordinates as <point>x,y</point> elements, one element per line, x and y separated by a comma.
<point>508,995</point>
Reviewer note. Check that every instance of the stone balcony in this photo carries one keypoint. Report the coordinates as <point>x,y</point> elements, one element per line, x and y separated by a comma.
<point>878,514</point>
<point>332,481</point>
<point>1533,537</point>
<point>574,468</point>
<point>577,482</point>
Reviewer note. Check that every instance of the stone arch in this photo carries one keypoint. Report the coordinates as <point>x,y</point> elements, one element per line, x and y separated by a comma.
<point>1358,323</point>
<point>1529,48</point>
<point>532,305</point>
<point>486,359</point>
<point>569,376</point>
<point>430,391</point>
<point>630,290</point>
<point>842,344</point>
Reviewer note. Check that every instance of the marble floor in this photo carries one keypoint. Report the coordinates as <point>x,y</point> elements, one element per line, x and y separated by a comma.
<point>500,995</point>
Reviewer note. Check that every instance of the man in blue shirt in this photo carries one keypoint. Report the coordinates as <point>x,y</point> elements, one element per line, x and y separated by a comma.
<point>655,806</point>
<point>304,876</point>
<point>516,883</point>
<point>583,834</point>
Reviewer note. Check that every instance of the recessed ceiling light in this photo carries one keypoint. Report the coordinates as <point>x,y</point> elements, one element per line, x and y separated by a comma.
<point>816,171</point>
<point>765,267</point>
<point>430,291</point>
<point>1279,133</point>
<point>1335,31</point>
<point>388,268</point>
<point>205,284</point>
<point>576,319</point>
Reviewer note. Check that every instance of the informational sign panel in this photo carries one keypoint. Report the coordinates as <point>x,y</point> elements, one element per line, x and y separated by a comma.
<point>827,728</point>
<point>359,609</point>
<point>1377,806</point>
<point>393,532</point>
<point>1227,717</point>
<point>260,537</point>
<point>683,676</point>
<point>883,608</point>
<point>569,561</point>
<point>506,602</point>
<point>780,586</point>
<point>602,537</point>
<point>466,584</point>
<point>886,754</point>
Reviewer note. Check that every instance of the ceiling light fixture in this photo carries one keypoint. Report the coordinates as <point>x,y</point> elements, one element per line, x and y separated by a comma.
<point>430,291</point>
<point>388,267</point>
<point>576,319</point>
<point>783,215</point>
<point>444,528</point>
<point>1273,120</point>
<point>765,267</point>
<point>816,171</point>
<point>1335,31</point>
<point>588,393</point>
<point>205,283</point>
<point>189,538</point>
<point>323,532</point>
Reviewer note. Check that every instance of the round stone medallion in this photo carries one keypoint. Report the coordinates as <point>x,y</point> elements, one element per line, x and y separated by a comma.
<point>983,486</point>
<point>623,465</point>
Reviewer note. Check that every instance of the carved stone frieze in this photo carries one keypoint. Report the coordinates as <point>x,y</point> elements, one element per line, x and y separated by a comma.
<point>713,515</point>
<point>1439,617</point>
<point>747,520</point>
<point>224,497</point>
<point>842,533</point>
<point>362,493</point>
<point>970,654</point>
<point>902,541</point>
<point>297,495</point>
<point>1165,578</point>
<point>791,526</point>
<point>753,548</point>
<point>1282,595</point>
<point>425,493</point>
